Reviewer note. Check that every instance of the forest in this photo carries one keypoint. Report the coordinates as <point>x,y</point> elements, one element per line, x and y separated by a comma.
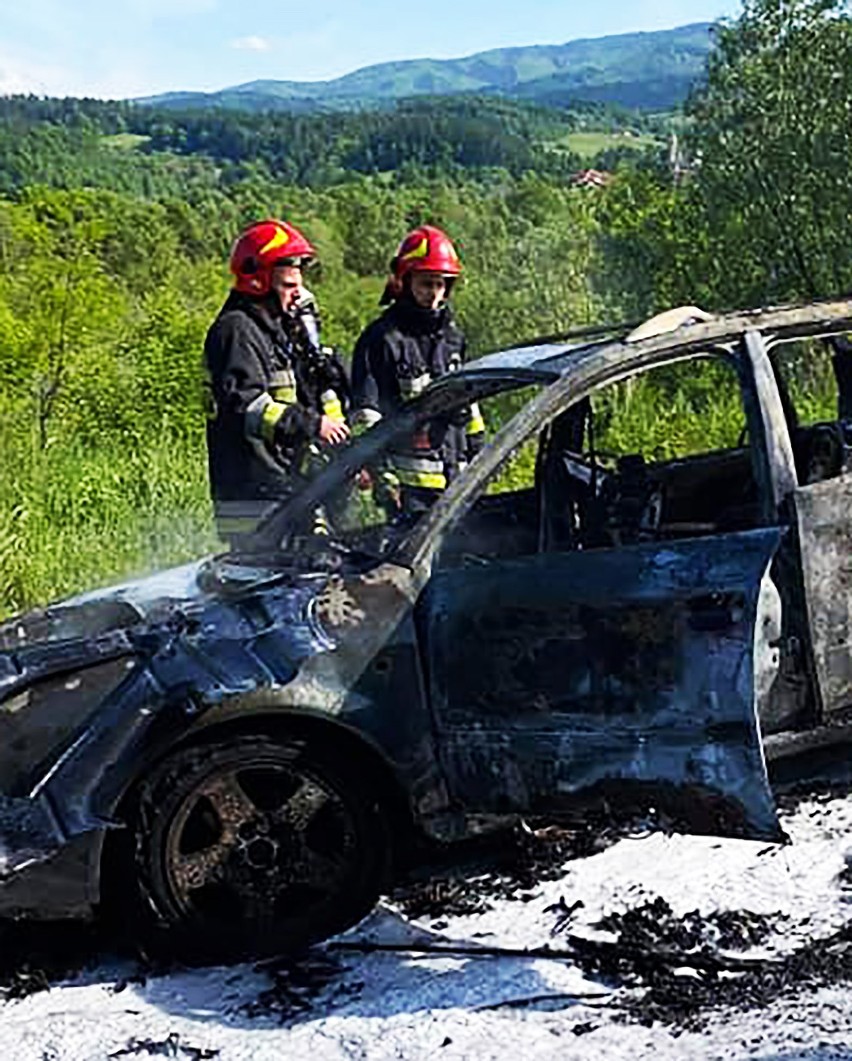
<point>116,221</point>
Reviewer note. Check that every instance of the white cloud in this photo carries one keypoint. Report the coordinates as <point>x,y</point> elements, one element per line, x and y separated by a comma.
<point>41,79</point>
<point>116,79</point>
<point>251,44</point>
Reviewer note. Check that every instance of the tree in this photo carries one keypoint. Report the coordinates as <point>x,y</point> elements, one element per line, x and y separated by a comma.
<point>772,137</point>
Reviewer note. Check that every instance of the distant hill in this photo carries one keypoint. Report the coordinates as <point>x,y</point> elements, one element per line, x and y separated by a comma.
<point>644,70</point>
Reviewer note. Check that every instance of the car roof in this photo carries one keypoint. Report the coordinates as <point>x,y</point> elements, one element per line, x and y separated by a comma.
<point>682,331</point>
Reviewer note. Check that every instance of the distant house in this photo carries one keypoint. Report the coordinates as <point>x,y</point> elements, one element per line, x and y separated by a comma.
<point>590,178</point>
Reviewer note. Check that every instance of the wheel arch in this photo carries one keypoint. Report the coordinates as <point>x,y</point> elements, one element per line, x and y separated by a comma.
<point>352,747</point>
<point>347,746</point>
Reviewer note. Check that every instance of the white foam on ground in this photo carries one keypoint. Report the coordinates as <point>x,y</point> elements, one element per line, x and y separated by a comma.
<point>404,1005</point>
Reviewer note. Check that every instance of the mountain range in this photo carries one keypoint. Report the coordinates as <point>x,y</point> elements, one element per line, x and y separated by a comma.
<point>653,70</point>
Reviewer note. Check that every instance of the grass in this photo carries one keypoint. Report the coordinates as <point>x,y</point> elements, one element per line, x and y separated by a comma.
<point>73,518</point>
<point>124,141</point>
<point>589,144</point>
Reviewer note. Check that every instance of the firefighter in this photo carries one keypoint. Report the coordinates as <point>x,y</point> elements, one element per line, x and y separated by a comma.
<point>274,393</point>
<point>414,341</point>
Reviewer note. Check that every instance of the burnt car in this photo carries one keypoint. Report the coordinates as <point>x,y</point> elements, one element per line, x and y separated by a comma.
<point>248,748</point>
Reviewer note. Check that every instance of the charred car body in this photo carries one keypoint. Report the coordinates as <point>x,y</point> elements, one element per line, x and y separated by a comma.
<point>248,745</point>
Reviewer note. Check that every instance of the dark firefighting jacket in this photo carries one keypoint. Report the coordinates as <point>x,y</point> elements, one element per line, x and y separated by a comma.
<point>396,358</point>
<point>268,387</point>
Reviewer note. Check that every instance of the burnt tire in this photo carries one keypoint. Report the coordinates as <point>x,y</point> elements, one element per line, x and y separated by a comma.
<point>253,846</point>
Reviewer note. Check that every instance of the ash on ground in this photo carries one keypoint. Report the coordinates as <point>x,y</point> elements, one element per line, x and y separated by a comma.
<point>508,868</point>
<point>653,925</point>
<point>679,965</point>
<point>298,984</point>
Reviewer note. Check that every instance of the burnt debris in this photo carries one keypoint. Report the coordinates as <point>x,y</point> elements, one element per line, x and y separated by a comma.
<point>486,871</point>
<point>654,925</point>
<point>688,1000</point>
<point>297,984</point>
<point>172,1046</point>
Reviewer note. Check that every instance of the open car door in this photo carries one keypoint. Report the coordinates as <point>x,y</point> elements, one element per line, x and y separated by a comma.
<point>624,673</point>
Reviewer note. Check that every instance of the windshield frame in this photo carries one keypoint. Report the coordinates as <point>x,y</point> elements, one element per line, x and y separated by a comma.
<point>285,523</point>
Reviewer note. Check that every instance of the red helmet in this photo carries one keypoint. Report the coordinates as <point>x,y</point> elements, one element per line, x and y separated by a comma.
<point>425,250</point>
<point>262,246</point>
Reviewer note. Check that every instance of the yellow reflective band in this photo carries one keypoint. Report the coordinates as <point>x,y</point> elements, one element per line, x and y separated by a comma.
<point>278,240</point>
<point>476,423</point>
<point>282,385</point>
<point>425,472</point>
<point>283,377</point>
<point>331,405</point>
<point>363,419</point>
<point>321,524</point>
<point>425,480</point>
<point>269,418</point>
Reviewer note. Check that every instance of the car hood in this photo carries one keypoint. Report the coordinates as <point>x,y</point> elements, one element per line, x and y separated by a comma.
<point>151,599</point>
<point>178,584</point>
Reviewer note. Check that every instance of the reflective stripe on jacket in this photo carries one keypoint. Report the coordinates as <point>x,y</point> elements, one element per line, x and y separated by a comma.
<point>267,397</point>
<point>395,359</point>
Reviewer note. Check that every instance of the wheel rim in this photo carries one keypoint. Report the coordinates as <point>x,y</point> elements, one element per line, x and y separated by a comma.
<point>257,842</point>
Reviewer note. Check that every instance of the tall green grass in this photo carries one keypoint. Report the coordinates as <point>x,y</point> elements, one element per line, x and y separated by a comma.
<point>73,516</point>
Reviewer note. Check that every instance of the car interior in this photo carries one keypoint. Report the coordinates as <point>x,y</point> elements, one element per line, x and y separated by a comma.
<point>586,495</point>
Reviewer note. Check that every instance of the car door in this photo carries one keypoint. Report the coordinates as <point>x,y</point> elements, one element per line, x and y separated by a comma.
<point>625,671</point>
<point>825,544</point>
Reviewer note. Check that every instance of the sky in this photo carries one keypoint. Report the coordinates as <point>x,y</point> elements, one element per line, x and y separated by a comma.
<point>124,48</point>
